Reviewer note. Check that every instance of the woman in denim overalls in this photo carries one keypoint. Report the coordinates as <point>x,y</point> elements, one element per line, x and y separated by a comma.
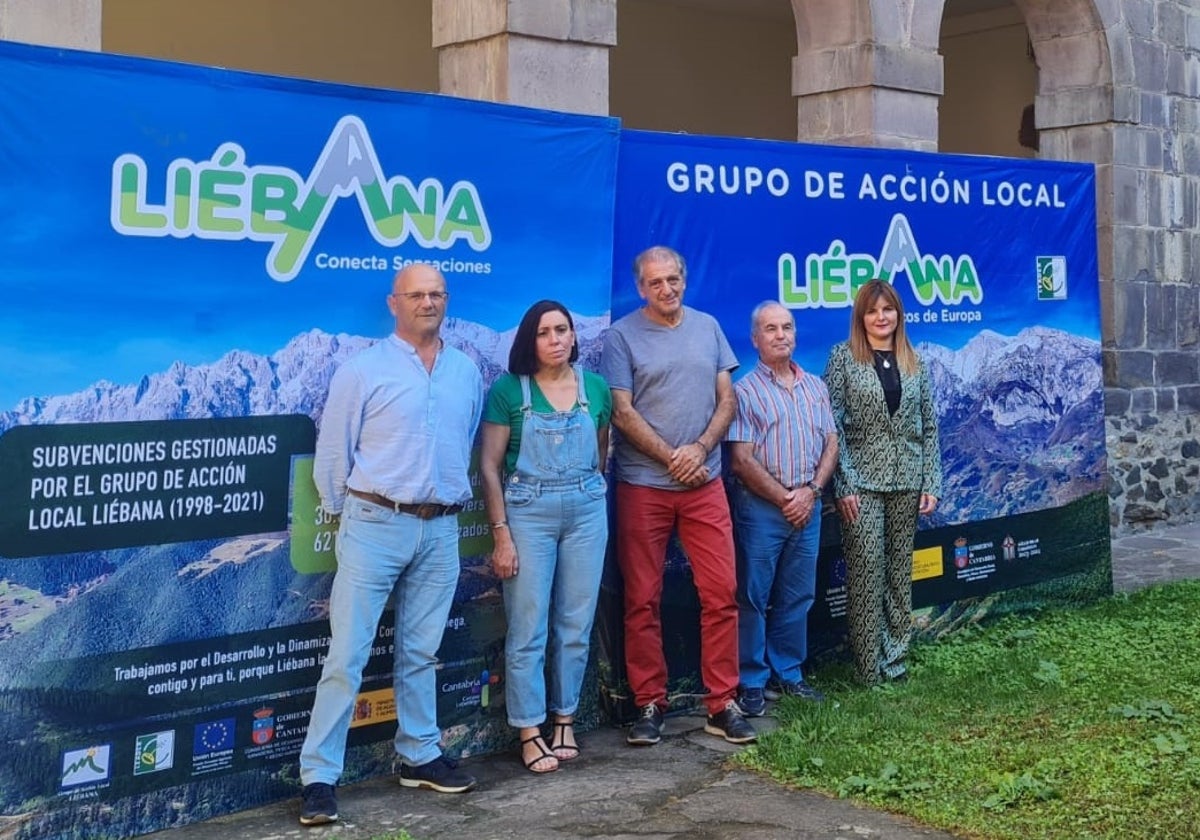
<point>546,428</point>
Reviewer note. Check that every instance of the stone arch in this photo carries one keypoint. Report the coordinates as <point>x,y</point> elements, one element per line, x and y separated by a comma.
<point>1085,66</point>
<point>868,71</point>
<point>1068,38</point>
<point>1077,87</point>
<point>1071,38</point>
<point>1085,89</point>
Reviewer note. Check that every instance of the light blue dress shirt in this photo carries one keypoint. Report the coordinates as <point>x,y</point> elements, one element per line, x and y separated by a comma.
<point>393,428</point>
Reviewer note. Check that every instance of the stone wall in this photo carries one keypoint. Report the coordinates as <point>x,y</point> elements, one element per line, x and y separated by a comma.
<point>1151,287</point>
<point>1153,468</point>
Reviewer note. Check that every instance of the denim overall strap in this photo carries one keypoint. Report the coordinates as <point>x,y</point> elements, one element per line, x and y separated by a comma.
<point>526,397</point>
<point>582,398</point>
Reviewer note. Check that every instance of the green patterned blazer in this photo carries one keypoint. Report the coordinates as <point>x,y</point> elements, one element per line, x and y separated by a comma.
<point>878,451</point>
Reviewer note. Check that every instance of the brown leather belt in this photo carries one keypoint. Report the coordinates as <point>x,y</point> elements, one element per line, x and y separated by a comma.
<point>427,510</point>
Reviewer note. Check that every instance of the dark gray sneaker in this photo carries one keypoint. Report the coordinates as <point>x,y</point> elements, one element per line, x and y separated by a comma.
<point>441,775</point>
<point>730,724</point>
<point>801,689</point>
<point>647,731</point>
<point>752,702</point>
<point>320,804</point>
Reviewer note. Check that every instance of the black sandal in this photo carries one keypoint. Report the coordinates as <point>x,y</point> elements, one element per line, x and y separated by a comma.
<point>537,741</point>
<point>558,741</point>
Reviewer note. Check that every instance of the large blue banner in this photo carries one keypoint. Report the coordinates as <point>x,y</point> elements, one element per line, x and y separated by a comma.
<point>995,261</point>
<point>187,255</point>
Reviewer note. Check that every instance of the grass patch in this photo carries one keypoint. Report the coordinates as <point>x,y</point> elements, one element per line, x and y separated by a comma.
<point>1079,723</point>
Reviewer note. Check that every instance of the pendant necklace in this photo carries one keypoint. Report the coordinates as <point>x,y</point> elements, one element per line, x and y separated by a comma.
<point>881,355</point>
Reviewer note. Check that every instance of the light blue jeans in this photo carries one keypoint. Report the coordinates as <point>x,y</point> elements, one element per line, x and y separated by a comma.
<point>777,578</point>
<point>560,531</point>
<point>378,552</point>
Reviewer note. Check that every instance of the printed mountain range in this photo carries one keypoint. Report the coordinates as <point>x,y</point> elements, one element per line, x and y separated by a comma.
<point>293,380</point>
<point>1020,421</point>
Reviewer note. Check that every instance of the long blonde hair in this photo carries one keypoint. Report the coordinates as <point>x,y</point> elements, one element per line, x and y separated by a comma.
<point>860,348</point>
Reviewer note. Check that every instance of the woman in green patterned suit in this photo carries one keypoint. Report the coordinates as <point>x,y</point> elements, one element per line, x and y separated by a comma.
<point>889,471</point>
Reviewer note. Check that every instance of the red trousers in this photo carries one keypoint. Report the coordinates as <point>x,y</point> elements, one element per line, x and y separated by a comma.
<point>646,516</point>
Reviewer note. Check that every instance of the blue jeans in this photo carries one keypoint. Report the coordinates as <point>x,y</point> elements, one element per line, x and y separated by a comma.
<point>379,551</point>
<point>777,577</point>
<point>560,531</point>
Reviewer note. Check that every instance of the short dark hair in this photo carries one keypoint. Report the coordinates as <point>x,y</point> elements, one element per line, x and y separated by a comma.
<point>522,358</point>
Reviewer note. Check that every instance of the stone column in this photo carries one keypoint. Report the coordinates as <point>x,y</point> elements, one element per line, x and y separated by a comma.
<point>1144,138</point>
<point>542,53</point>
<point>868,94</point>
<point>54,23</point>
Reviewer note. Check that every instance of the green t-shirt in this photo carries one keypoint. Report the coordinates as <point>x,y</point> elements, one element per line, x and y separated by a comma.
<point>504,407</point>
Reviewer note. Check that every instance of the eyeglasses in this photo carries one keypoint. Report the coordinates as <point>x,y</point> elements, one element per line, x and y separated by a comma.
<point>417,297</point>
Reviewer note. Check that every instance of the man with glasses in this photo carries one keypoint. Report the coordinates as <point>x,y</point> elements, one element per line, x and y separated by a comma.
<point>391,461</point>
<point>669,369</point>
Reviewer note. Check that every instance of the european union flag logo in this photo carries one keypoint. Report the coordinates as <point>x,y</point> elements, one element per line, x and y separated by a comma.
<point>211,737</point>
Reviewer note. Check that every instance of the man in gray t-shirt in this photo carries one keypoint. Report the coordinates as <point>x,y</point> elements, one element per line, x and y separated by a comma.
<point>669,369</point>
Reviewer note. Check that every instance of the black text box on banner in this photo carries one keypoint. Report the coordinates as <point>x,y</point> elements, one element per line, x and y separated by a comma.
<point>88,486</point>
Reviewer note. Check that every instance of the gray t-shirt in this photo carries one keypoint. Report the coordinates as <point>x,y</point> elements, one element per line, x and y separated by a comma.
<point>672,374</point>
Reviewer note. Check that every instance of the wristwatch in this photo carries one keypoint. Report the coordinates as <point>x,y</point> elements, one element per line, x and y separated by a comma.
<point>816,488</point>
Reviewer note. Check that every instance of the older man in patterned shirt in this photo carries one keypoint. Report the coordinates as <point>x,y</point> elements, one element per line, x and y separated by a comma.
<point>783,448</point>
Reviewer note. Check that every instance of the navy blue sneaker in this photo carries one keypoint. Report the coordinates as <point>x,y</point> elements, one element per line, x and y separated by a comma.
<point>441,775</point>
<point>730,724</point>
<point>796,689</point>
<point>320,804</point>
<point>752,702</point>
<point>647,730</point>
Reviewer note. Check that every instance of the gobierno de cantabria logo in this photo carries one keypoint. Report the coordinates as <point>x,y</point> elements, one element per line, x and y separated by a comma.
<point>223,198</point>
